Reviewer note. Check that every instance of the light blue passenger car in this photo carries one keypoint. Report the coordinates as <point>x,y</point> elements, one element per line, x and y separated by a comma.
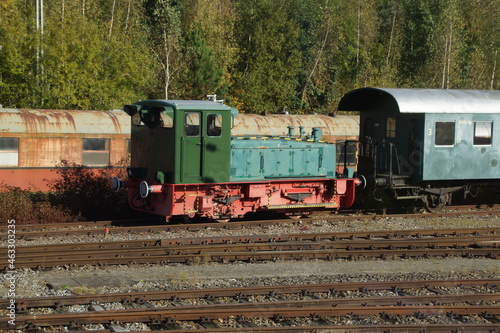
<point>427,143</point>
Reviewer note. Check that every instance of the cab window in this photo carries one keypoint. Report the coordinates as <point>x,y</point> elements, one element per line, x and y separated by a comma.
<point>192,124</point>
<point>214,124</point>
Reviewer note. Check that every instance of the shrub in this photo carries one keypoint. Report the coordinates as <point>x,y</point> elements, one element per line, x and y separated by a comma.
<point>30,207</point>
<point>87,191</point>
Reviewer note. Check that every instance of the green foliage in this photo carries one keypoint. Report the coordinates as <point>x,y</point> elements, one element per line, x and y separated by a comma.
<point>163,21</point>
<point>92,67</point>
<point>421,20</point>
<point>204,72</point>
<point>481,30</point>
<point>258,55</point>
<point>80,61</point>
<point>17,55</point>
<point>269,58</point>
<point>387,48</point>
<point>215,23</point>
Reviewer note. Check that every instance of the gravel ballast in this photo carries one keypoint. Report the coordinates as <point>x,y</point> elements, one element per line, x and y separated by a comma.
<point>31,283</point>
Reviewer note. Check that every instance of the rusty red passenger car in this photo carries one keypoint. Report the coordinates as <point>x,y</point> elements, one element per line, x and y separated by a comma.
<point>33,142</point>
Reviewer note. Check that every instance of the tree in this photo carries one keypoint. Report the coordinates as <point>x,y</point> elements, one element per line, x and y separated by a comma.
<point>85,64</point>
<point>259,55</point>
<point>209,27</point>
<point>349,35</point>
<point>481,29</point>
<point>311,44</point>
<point>17,49</point>
<point>204,73</point>
<point>165,35</point>
<point>268,61</point>
<point>390,18</point>
<point>449,45</point>
<point>421,20</point>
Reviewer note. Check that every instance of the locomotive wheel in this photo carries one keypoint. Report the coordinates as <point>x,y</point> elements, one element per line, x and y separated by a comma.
<point>222,220</point>
<point>298,215</point>
<point>435,203</point>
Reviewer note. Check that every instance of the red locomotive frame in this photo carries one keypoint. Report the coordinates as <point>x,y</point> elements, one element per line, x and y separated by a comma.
<point>222,201</point>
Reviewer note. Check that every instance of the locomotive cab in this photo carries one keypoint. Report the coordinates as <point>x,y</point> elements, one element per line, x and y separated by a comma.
<point>180,142</point>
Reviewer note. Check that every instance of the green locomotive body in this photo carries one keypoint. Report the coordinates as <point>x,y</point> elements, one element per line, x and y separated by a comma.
<point>184,161</point>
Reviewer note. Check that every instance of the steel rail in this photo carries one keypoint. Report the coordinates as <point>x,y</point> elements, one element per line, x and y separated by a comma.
<point>22,304</point>
<point>215,312</point>
<point>159,256</point>
<point>341,302</point>
<point>281,311</point>
<point>337,236</point>
<point>297,236</point>
<point>151,251</point>
<point>327,328</point>
<point>98,227</point>
<point>417,233</point>
<point>226,257</point>
<point>114,248</point>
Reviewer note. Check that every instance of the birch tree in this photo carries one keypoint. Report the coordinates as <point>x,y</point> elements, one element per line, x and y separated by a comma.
<point>165,33</point>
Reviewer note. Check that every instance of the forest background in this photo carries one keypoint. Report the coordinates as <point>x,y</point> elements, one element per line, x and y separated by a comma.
<point>258,55</point>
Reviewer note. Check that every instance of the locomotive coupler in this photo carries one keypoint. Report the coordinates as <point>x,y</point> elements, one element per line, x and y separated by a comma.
<point>117,184</point>
<point>370,182</point>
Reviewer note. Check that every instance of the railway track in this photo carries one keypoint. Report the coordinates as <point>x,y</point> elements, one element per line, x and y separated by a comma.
<point>477,242</point>
<point>411,306</point>
<point>467,306</point>
<point>101,228</point>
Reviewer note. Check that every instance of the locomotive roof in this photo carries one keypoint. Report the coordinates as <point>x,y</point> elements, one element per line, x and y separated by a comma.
<point>421,100</point>
<point>64,121</point>
<point>186,104</point>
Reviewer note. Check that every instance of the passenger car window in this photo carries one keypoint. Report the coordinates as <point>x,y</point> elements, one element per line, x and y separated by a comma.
<point>192,124</point>
<point>9,151</point>
<point>482,133</point>
<point>214,124</point>
<point>445,133</point>
<point>95,151</point>
<point>390,127</point>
